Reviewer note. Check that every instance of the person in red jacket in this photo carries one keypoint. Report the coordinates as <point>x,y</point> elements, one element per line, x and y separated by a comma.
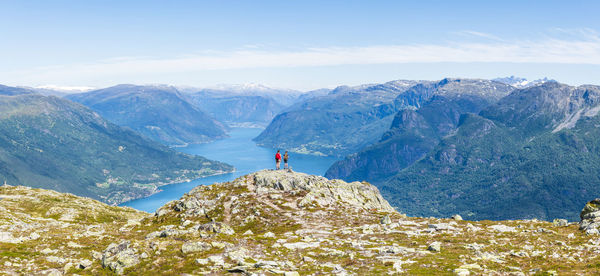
<point>277,160</point>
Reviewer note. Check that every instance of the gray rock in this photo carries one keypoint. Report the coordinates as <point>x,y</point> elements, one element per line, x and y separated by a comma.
<point>162,211</point>
<point>308,259</point>
<point>191,247</point>
<point>55,259</point>
<point>202,261</point>
<point>268,235</point>
<point>590,217</point>
<point>441,226</point>
<point>386,219</point>
<point>266,264</point>
<point>462,272</point>
<point>301,245</point>
<point>435,246</point>
<point>118,257</point>
<point>51,272</point>
<point>503,228</point>
<point>560,222</point>
<point>323,191</point>
<point>216,227</point>
<point>592,231</point>
<point>238,269</point>
<point>7,237</point>
<point>457,217</point>
<point>48,251</point>
<point>239,255</point>
<point>85,263</point>
<point>217,260</point>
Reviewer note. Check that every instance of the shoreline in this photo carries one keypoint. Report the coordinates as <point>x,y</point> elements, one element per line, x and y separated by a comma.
<point>158,190</point>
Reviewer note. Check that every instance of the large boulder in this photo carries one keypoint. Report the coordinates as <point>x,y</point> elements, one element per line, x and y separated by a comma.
<point>216,227</point>
<point>590,217</point>
<point>119,256</point>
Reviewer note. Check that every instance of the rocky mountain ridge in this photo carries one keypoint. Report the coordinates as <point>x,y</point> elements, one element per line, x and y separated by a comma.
<point>533,154</point>
<point>53,143</point>
<point>521,82</point>
<point>160,113</point>
<point>341,122</point>
<point>430,111</point>
<point>276,223</point>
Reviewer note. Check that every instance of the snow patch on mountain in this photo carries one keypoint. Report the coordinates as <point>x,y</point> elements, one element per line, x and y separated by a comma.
<point>518,82</point>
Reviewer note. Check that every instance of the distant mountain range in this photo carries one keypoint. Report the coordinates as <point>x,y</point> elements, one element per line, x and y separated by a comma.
<point>533,154</point>
<point>431,111</point>
<point>158,112</point>
<point>53,143</point>
<point>11,91</point>
<point>283,96</point>
<point>521,82</point>
<point>243,105</point>
<point>341,122</point>
<point>485,149</point>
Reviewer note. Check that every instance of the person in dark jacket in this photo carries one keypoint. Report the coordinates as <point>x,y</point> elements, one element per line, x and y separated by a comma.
<point>277,160</point>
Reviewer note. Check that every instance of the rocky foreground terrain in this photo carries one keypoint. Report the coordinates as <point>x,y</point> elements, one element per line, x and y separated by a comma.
<point>279,223</point>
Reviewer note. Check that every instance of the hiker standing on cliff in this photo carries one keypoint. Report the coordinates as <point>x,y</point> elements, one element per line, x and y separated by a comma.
<point>285,159</point>
<point>277,160</point>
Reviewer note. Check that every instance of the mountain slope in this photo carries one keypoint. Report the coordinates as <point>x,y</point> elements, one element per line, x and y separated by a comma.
<point>277,223</point>
<point>521,82</point>
<point>11,91</point>
<point>534,154</point>
<point>339,123</point>
<point>160,113</point>
<point>52,143</point>
<point>435,112</point>
<point>236,110</point>
<point>244,105</point>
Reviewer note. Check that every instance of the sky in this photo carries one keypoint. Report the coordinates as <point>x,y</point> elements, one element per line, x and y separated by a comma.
<point>300,45</point>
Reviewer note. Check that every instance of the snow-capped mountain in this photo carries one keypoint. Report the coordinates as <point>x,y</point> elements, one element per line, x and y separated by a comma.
<point>521,82</point>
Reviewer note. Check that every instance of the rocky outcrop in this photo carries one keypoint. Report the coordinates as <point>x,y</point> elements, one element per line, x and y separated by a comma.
<point>321,190</point>
<point>311,189</point>
<point>275,223</point>
<point>120,256</point>
<point>590,217</point>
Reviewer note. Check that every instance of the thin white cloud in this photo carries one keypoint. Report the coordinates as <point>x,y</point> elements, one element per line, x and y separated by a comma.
<point>581,47</point>
<point>470,33</point>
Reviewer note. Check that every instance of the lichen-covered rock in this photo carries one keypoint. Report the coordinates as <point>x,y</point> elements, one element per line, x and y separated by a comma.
<point>192,247</point>
<point>560,222</point>
<point>590,217</point>
<point>457,217</point>
<point>120,256</point>
<point>386,219</point>
<point>216,227</point>
<point>323,191</point>
<point>263,229</point>
<point>435,246</point>
<point>7,237</point>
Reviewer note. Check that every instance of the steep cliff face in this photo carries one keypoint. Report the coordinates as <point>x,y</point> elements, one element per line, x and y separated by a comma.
<point>274,222</point>
<point>432,110</point>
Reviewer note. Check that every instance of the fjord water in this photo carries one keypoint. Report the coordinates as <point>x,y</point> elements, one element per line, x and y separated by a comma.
<point>240,151</point>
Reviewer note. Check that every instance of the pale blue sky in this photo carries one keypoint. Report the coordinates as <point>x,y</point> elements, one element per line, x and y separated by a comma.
<point>294,44</point>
